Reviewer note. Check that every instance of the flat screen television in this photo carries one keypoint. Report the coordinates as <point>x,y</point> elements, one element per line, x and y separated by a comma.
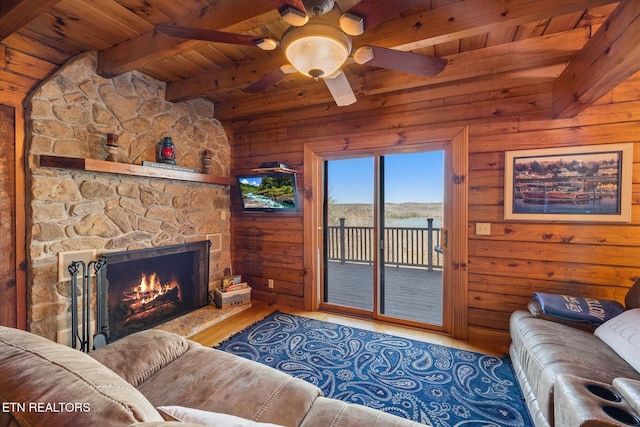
<point>269,192</point>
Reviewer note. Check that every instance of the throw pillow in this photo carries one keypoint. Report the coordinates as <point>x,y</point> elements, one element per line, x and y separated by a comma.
<point>622,334</point>
<point>198,416</point>
<point>632,299</point>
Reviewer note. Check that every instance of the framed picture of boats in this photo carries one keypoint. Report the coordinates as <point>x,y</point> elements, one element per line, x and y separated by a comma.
<point>583,183</point>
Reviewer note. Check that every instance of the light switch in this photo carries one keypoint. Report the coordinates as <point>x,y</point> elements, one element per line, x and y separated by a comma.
<point>483,228</point>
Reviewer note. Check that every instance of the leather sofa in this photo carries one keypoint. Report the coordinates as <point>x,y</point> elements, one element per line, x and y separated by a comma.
<point>571,377</point>
<point>156,378</point>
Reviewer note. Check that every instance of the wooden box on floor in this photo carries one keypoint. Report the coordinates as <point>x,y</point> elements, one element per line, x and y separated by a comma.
<point>232,298</point>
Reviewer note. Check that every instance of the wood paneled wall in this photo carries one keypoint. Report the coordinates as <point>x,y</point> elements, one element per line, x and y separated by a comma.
<point>518,258</point>
<point>268,245</point>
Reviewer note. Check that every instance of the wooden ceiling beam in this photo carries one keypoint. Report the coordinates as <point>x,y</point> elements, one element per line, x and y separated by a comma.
<point>609,58</point>
<point>154,46</point>
<point>15,14</point>
<point>462,19</point>
<point>523,55</point>
<point>451,22</point>
<point>224,80</point>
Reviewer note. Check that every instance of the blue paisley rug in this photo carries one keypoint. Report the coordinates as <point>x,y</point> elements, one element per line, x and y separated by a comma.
<point>428,383</point>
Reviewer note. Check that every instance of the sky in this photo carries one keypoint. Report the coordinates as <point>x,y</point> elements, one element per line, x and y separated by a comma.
<point>412,177</point>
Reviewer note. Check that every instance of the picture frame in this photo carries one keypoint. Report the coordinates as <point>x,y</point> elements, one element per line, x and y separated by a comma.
<point>580,183</point>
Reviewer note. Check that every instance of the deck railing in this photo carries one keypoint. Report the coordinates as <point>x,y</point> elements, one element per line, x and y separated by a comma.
<point>406,246</point>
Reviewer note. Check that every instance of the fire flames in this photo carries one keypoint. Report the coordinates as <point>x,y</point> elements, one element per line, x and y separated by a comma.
<point>151,291</point>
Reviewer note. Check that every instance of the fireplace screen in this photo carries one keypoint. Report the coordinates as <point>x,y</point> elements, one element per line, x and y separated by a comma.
<point>150,286</point>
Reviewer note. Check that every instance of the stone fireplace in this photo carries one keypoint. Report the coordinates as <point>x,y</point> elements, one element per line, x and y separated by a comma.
<point>69,210</point>
<point>148,287</point>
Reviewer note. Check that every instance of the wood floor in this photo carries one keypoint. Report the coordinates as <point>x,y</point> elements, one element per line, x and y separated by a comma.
<point>223,330</point>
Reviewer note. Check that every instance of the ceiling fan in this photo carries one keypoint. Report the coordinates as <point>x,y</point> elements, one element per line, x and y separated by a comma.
<point>318,47</point>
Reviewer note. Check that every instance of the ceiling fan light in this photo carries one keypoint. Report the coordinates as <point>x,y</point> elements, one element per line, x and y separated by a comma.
<point>363,55</point>
<point>267,44</point>
<point>352,24</point>
<point>288,69</point>
<point>316,50</point>
<point>293,16</point>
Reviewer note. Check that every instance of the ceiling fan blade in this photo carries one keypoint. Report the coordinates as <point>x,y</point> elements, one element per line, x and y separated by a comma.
<point>292,11</point>
<point>217,36</point>
<point>268,80</point>
<point>398,60</point>
<point>340,89</point>
<point>369,13</point>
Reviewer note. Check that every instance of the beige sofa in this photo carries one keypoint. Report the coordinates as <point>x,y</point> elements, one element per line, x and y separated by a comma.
<point>571,377</point>
<point>158,378</point>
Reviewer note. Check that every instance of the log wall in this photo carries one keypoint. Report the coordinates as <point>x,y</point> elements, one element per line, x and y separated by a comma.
<point>518,258</point>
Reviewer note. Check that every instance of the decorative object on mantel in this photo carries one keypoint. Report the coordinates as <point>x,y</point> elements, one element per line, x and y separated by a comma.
<point>166,151</point>
<point>168,166</point>
<point>206,161</point>
<point>112,147</point>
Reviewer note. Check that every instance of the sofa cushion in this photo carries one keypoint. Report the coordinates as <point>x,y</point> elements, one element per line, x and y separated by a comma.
<point>212,380</point>
<point>49,384</point>
<point>622,334</point>
<point>139,356</point>
<point>207,418</point>
<point>547,349</point>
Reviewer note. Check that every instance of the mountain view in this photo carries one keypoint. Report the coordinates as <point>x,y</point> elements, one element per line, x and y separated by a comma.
<point>397,214</point>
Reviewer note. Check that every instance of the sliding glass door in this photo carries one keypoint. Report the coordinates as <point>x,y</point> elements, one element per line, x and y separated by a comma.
<point>411,206</point>
<point>349,233</point>
<point>382,226</point>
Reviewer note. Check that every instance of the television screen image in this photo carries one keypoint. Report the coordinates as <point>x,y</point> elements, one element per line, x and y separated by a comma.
<point>269,192</point>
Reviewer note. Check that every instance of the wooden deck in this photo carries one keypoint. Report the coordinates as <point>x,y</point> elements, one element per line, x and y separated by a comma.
<point>410,293</point>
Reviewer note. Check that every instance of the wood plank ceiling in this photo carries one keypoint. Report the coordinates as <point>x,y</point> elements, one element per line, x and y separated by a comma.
<point>482,39</point>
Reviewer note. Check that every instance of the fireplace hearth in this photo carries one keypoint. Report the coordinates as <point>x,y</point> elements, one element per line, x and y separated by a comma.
<point>147,287</point>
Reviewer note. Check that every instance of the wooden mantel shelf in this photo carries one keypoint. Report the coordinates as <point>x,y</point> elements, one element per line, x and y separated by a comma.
<point>93,165</point>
